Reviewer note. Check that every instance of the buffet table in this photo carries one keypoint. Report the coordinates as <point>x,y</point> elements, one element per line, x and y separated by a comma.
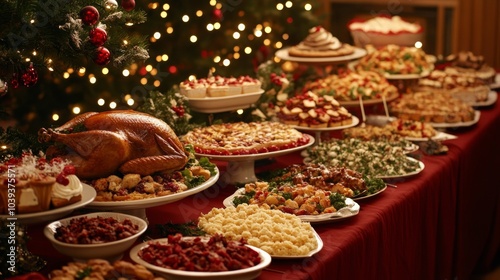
<point>443,223</point>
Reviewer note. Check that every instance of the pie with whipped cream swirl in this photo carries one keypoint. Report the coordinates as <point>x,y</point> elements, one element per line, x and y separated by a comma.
<point>320,43</point>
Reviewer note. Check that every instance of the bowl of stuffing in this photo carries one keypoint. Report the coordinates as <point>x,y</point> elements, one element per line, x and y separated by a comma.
<point>103,235</point>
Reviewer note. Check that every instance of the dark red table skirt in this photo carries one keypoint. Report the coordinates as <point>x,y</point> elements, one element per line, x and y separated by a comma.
<point>443,223</point>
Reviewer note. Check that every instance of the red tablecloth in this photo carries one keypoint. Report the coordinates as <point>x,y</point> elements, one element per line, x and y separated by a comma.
<point>443,223</point>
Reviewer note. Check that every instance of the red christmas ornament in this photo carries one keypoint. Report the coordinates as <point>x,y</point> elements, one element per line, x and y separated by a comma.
<point>30,77</point>
<point>98,36</point>
<point>217,15</point>
<point>102,56</point>
<point>89,15</point>
<point>14,82</point>
<point>128,5</point>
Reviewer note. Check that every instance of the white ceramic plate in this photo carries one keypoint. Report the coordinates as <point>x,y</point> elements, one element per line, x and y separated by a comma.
<point>224,103</point>
<point>440,136</point>
<point>425,73</point>
<point>355,122</point>
<point>154,201</point>
<point>421,167</point>
<point>458,124</point>
<point>88,195</point>
<point>370,101</point>
<point>258,156</point>
<point>358,53</point>
<point>370,195</point>
<point>492,98</point>
<point>412,148</point>
<point>173,274</point>
<point>496,83</point>
<point>108,250</point>
<point>352,209</point>
<point>310,254</point>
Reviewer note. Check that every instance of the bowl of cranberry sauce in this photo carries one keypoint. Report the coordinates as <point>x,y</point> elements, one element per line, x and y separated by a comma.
<point>103,235</point>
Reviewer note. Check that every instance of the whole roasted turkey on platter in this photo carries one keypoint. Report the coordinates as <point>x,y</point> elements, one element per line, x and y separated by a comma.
<point>126,141</point>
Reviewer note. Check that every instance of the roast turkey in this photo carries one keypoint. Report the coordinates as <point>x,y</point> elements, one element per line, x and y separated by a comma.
<point>125,141</point>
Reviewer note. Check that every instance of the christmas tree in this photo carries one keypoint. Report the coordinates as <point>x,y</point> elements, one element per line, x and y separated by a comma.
<point>182,38</point>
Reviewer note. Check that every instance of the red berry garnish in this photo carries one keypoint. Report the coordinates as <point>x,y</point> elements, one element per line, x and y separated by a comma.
<point>69,170</point>
<point>56,160</point>
<point>62,179</point>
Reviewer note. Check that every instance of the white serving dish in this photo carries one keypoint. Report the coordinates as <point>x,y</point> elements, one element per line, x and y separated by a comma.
<point>173,274</point>
<point>110,251</point>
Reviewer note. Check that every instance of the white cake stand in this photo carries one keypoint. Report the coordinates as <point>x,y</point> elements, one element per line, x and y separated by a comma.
<point>241,168</point>
<point>138,207</point>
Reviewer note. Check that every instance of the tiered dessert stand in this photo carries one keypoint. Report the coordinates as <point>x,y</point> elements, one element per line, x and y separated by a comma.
<point>241,168</point>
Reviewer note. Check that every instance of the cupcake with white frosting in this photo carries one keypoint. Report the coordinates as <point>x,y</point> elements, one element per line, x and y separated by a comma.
<point>66,194</point>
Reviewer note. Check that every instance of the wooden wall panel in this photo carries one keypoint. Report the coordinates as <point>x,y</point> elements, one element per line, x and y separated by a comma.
<point>477,27</point>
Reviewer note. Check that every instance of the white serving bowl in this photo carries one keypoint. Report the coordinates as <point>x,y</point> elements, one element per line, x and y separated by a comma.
<point>378,40</point>
<point>173,274</point>
<point>110,251</point>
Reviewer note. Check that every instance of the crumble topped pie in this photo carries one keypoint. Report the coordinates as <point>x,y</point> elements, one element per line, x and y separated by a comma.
<point>244,138</point>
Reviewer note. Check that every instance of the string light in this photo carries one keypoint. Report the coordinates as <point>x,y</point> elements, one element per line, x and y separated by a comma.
<point>222,57</point>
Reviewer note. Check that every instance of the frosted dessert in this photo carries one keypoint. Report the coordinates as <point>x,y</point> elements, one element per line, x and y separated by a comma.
<point>320,43</point>
<point>33,178</point>
<point>386,25</point>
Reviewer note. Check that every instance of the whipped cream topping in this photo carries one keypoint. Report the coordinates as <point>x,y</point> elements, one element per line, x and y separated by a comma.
<point>74,188</point>
<point>319,39</point>
<point>386,25</point>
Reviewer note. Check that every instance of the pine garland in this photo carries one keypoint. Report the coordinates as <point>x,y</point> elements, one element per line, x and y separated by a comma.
<point>50,35</point>
<point>171,107</point>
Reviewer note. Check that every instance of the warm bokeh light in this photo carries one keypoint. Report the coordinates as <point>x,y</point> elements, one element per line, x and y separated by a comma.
<point>76,110</point>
